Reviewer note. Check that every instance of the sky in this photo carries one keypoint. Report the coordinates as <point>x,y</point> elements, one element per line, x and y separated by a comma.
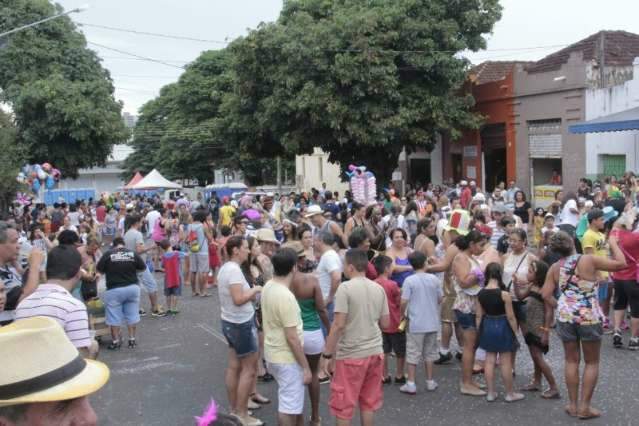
<point>528,30</point>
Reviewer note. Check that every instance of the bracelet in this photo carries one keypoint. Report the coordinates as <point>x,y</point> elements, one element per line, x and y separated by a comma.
<point>327,356</point>
<point>544,328</point>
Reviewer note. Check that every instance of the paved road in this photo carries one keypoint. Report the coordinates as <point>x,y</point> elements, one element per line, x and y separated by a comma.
<point>180,361</point>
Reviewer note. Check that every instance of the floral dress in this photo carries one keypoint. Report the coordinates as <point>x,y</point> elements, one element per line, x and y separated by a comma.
<point>578,303</point>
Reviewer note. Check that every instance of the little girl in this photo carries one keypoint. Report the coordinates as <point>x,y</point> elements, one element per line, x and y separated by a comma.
<point>537,336</point>
<point>538,223</point>
<point>497,327</point>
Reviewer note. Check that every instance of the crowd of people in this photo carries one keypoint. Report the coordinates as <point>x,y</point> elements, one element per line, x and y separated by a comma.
<point>315,287</point>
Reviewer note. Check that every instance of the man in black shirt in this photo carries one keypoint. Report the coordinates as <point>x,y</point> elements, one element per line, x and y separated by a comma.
<point>122,298</point>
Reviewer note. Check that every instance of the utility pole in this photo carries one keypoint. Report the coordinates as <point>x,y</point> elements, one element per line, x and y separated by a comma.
<point>279,174</point>
<point>50,18</point>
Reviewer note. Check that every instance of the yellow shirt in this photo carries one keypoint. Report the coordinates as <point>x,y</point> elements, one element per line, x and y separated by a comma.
<point>226,215</point>
<point>279,311</point>
<point>597,242</point>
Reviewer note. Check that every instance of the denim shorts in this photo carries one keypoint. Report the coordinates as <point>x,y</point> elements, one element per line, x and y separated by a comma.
<point>173,291</point>
<point>569,332</point>
<point>242,338</point>
<point>330,310</point>
<point>122,304</point>
<point>147,280</point>
<point>465,321</point>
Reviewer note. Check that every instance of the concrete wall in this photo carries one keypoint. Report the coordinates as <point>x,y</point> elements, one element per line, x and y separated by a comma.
<point>552,95</point>
<point>601,102</point>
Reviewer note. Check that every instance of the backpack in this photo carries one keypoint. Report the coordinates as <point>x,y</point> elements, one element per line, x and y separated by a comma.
<point>194,244</point>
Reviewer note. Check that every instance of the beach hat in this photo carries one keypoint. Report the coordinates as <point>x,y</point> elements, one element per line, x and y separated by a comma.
<point>479,197</point>
<point>463,183</point>
<point>295,245</point>
<point>549,215</point>
<point>40,364</point>
<point>499,208</point>
<point>313,210</point>
<point>266,235</point>
<point>459,222</point>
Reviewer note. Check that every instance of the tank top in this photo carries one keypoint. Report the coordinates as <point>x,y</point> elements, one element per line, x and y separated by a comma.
<point>491,301</point>
<point>464,302</point>
<point>399,277</point>
<point>518,264</point>
<point>310,317</point>
<point>578,302</point>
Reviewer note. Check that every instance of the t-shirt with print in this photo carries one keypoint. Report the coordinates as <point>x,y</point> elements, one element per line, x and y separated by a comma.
<point>393,297</point>
<point>54,301</point>
<point>231,274</point>
<point>423,292</point>
<point>364,303</point>
<point>329,263</point>
<point>596,241</point>
<point>171,262</point>
<point>121,267</point>
<point>280,310</point>
<point>13,289</point>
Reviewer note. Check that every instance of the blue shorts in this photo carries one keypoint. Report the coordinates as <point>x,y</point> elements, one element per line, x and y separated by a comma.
<point>122,304</point>
<point>242,338</point>
<point>173,291</point>
<point>602,293</point>
<point>147,280</point>
<point>465,321</point>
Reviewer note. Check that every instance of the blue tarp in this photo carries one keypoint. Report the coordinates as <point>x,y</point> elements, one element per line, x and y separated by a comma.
<point>617,122</point>
<point>68,195</point>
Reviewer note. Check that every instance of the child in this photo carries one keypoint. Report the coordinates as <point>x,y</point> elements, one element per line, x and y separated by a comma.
<point>421,296</point>
<point>496,325</point>
<point>537,336</point>
<point>393,339</point>
<point>508,223</point>
<point>171,262</point>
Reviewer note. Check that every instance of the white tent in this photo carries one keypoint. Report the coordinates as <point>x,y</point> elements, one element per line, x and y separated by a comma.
<point>154,180</point>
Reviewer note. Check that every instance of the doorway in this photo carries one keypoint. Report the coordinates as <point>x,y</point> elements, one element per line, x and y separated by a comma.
<point>493,142</point>
<point>419,172</point>
<point>457,163</point>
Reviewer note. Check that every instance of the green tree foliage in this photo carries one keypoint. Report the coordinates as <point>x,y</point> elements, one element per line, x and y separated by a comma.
<point>10,161</point>
<point>361,80</point>
<point>61,96</point>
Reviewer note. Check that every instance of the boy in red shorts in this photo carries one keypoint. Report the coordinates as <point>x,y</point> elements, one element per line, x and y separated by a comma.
<point>360,310</point>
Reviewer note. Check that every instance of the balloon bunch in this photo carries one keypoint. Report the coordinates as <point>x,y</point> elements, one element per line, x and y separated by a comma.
<point>38,175</point>
<point>24,199</point>
<point>363,184</point>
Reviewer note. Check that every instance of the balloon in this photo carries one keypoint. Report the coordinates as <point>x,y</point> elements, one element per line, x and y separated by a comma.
<point>36,185</point>
<point>252,214</point>
<point>34,175</point>
<point>50,182</point>
<point>47,167</point>
<point>56,174</point>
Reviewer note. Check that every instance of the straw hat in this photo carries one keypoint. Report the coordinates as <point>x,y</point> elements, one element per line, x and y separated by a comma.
<point>313,210</point>
<point>266,235</point>
<point>40,364</point>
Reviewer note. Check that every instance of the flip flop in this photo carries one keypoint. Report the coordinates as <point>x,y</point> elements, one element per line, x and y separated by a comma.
<point>531,387</point>
<point>571,414</point>
<point>547,394</point>
<point>593,413</point>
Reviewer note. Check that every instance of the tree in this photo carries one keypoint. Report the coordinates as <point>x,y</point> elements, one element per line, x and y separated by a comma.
<point>60,95</point>
<point>10,161</point>
<point>361,80</point>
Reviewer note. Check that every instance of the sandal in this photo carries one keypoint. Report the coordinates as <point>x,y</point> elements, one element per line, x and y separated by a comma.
<point>549,394</point>
<point>259,399</point>
<point>531,387</point>
<point>115,345</point>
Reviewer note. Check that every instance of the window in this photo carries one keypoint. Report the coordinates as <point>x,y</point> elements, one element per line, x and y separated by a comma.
<point>613,165</point>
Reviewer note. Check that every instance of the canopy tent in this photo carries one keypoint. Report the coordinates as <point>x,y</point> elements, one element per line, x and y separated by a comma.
<point>617,122</point>
<point>155,180</point>
<point>137,178</point>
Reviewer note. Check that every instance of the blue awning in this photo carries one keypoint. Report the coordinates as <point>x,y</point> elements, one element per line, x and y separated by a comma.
<point>617,122</point>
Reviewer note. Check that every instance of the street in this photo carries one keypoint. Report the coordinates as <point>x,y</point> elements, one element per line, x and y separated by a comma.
<point>180,361</point>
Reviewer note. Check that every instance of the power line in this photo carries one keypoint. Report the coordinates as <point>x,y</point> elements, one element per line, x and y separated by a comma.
<point>144,58</point>
<point>145,33</point>
<point>138,59</point>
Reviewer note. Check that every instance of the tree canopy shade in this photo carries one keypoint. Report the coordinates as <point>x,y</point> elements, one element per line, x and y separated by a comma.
<point>360,80</point>
<point>10,161</point>
<point>61,96</point>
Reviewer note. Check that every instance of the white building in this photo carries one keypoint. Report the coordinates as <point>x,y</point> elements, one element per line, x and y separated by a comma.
<point>612,153</point>
<point>314,169</point>
<point>101,179</point>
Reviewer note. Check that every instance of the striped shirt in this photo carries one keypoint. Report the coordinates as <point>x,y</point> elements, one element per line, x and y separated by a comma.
<point>54,301</point>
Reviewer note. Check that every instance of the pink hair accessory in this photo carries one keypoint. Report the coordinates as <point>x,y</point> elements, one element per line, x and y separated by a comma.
<point>208,416</point>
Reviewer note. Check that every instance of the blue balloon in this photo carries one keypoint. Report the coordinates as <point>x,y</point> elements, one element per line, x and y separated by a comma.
<point>50,182</point>
<point>36,185</point>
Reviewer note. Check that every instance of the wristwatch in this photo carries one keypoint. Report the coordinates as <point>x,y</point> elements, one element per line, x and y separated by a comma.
<point>327,356</point>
